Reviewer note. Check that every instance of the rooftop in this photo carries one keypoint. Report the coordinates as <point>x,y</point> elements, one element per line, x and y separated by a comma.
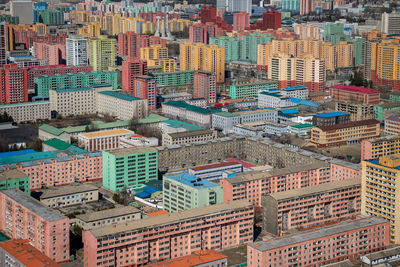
<point>197,258</point>
<point>190,133</point>
<point>181,124</point>
<point>348,125</point>
<point>383,254</point>
<point>106,133</point>
<point>98,125</point>
<point>120,95</point>
<point>50,129</point>
<point>16,153</point>
<point>11,174</point>
<point>131,150</point>
<point>317,233</point>
<point>384,139</point>
<point>217,165</point>
<point>27,254</point>
<point>25,104</point>
<point>67,190</point>
<point>389,105</point>
<point>176,217</point>
<point>345,263</point>
<point>57,144</point>
<point>331,114</point>
<point>302,125</point>
<point>357,89</point>
<point>152,118</point>
<point>184,105</point>
<point>105,214</point>
<point>249,112</point>
<point>393,118</point>
<point>32,204</point>
<point>67,90</point>
<point>293,88</point>
<point>226,114</point>
<point>316,189</point>
<point>191,181</point>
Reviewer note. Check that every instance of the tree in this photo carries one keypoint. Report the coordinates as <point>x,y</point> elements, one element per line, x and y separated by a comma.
<point>77,230</point>
<point>87,129</point>
<point>4,117</point>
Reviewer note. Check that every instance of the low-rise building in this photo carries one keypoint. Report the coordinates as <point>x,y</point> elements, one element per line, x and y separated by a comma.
<point>99,219</point>
<point>169,139</point>
<point>102,140</point>
<point>356,94</point>
<point>389,256</point>
<point>392,125</point>
<point>300,129</point>
<point>176,126</point>
<point>274,100</point>
<point>345,133</point>
<point>322,245</point>
<point>215,171</point>
<point>300,92</point>
<point>47,132</point>
<point>381,110</point>
<point>45,229</point>
<point>358,112</point>
<point>19,253</point>
<point>330,118</point>
<point>224,121</point>
<point>137,140</point>
<point>122,106</point>
<point>378,147</point>
<point>69,195</point>
<point>251,89</point>
<point>193,114</point>
<point>170,236</point>
<point>200,258</point>
<point>15,179</point>
<point>185,192</point>
<point>310,206</point>
<point>29,111</point>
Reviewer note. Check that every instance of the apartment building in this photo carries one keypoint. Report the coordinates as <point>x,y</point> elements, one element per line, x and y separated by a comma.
<point>378,147</point>
<point>99,219</point>
<point>20,253</point>
<point>102,52</point>
<point>252,185</point>
<point>356,94</point>
<point>311,206</point>
<point>23,217</point>
<point>330,118</point>
<point>344,240</point>
<point>102,140</point>
<point>345,133</point>
<point>14,85</point>
<point>193,114</point>
<point>77,50</point>
<point>300,92</point>
<point>122,106</point>
<point>170,235</point>
<point>129,167</point>
<point>185,192</point>
<point>169,139</point>
<point>379,192</point>
<point>29,111</point>
<point>273,100</point>
<point>250,89</point>
<point>358,112</point>
<point>15,179</point>
<point>392,125</point>
<point>73,101</point>
<point>205,86</point>
<point>69,195</point>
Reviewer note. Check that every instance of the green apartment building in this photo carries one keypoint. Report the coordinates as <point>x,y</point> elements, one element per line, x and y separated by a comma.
<point>185,191</point>
<point>334,33</point>
<point>250,89</point>
<point>15,179</point>
<point>129,167</point>
<point>381,110</point>
<point>176,78</point>
<point>394,97</point>
<point>359,51</point>
<point>231,45</point>
<point>45,83</point>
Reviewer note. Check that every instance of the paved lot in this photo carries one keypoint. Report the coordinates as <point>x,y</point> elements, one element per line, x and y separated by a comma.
<point>236,255</point>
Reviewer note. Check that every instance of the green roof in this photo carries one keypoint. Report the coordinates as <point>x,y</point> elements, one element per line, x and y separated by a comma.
<point>120,95</point>
<point>181,124</point>
<point>226,114</point>
<point>72,89</point>
<point>57,144</point>
<point>304,125</point>
<point>3,237</point>
<point>98,125</point>
<point>183,104</point>
<point>51,129</point>
<point>152,118</point>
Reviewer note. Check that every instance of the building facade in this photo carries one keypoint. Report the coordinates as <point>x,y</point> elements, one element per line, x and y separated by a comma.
<point>330,118</point>
<point>14,84</point>
<point>29,111</point>
<point>102,140</point>
<point>169,139</point>
<point>102,52</point>
<point>69,195</point>
<point>354,94</point>
<point>205,86</point>
<point>77,50</point>
<point>250,89</point>
<point>358,112</point>
<point>73,101</point>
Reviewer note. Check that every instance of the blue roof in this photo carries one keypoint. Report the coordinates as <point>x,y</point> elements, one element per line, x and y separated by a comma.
<point>150,190</point>
<point>376,161</point>
<point>304,102</point>
<point>294,88</point>
<point>331,114</point>
<point>16,153</point>
<point>192,181</point>
<point>290,111</point>
<point>143,194</point>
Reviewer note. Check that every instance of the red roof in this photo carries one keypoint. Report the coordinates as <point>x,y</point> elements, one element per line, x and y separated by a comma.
<point>156,213</point>
<point>244,163</point>
<point>216,165</point>
<point>357,89</point>
<point>195,259</point>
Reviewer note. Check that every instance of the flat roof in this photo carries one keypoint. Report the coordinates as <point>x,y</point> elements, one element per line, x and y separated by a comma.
<point>190,133</point>
<point>51,129</point>
<point>316,233</point>
<point>331,114</point>
<point>226,114</point>
<point>106,133</point>
<point>197,258</point>
<point>216,165</point>
<point>32,204</point>
<point>356,89</point>
<point>383,253</point>
<point>181,124</point>
<point>131,150</point>
<point>169,218</point>
<point>11,174</point>
<point>57,143</point>
<point>251,176</point>
<point>120,95</point>
<point>191,181</point>
<point>316,189</point>
<point>345,263</point>
<point>184,105</point>
<point>393,118</point>
<point>348,125</point>
<point>67,190</point>
<point>384,138</point>
<point>246,112</point>
<point>109,213</point>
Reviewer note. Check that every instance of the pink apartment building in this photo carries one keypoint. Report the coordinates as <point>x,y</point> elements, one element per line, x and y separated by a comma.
<point>379,147</point>
<point>343,170</point>
<point>53,53</point>
<point>345,240</point>
<point>23,217</point>
<point>311,206</point>
<point>170,236</point>
<point>253,185</point>
<point>61,171</point>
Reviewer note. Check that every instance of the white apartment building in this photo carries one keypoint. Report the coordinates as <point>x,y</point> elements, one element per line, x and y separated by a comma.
<point>300,92</point>
<point>390,23</point>
<point>69,195</point>
<point>102,140</point>
<point>76,50</point>
<point>75,101</point>
<point>120,105</point>
<point>273,100</point>
<point>169,139</point>
<point>196,115</point>
<point>30,111</point>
